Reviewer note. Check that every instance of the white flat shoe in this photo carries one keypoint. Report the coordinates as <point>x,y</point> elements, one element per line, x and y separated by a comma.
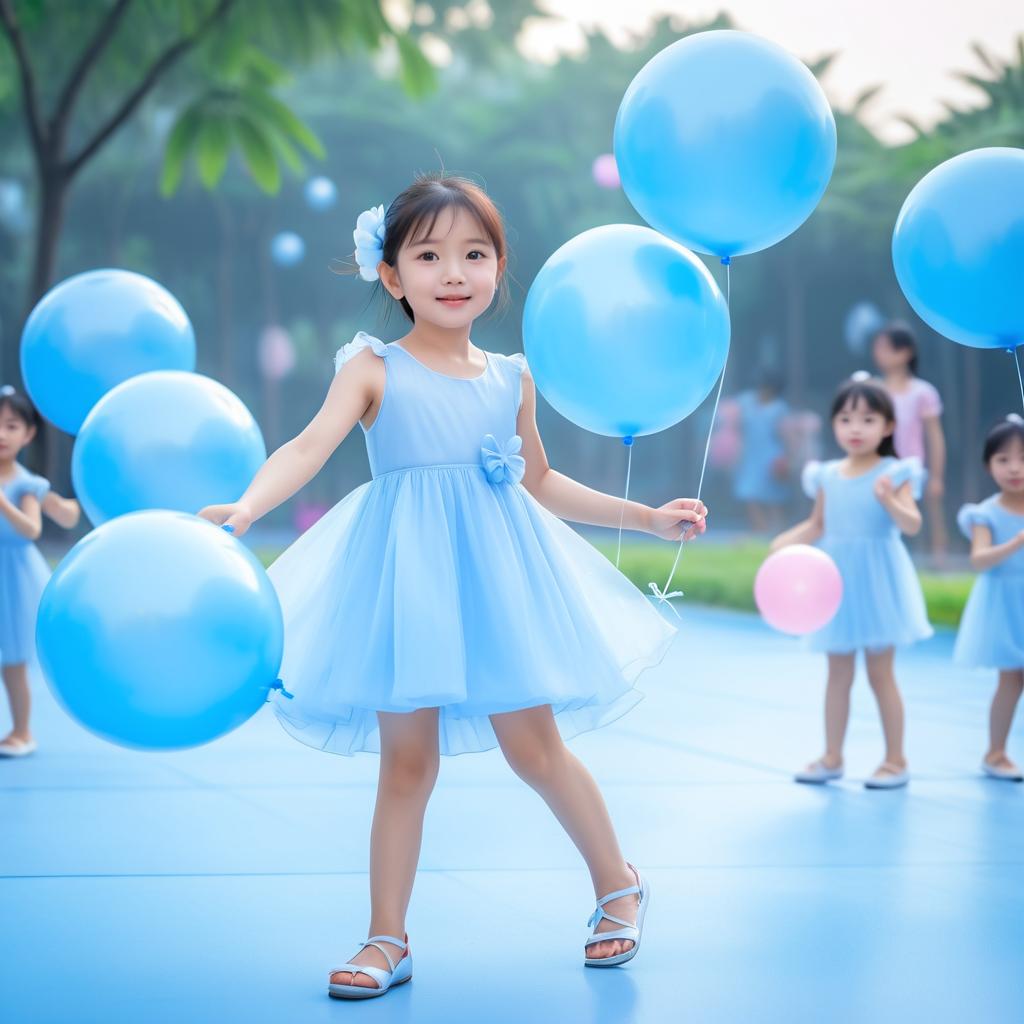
<point>400,972</point>
<point>895,780</point>
<point>18,748</point>
<point>995,772</point>
<point>627,931</point>
<point>818,773</point>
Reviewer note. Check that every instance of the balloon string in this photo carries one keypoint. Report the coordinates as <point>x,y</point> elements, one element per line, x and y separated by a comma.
<point>1020,378</point>
<point>662,593</point>
<point>628,442</point>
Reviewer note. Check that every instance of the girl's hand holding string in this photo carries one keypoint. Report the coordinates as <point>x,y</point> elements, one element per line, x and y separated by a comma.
<point>679,519</point>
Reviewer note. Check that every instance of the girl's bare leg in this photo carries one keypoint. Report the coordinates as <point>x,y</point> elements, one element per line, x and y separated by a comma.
<point>16,683</point>
<point>409,762</point>
<point>531,743</point>
<point>1004,704</point>
<point>837,707</point>
<point>890,707</point>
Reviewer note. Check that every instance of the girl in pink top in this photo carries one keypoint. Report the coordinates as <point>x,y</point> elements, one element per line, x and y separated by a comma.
<point>918,426</point>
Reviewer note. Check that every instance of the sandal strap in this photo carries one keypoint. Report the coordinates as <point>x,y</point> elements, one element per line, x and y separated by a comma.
<point>600,912</point>
<point>629,932</point>
<point>618,892</point>
<point>378,974</point>
<point>373,941</point>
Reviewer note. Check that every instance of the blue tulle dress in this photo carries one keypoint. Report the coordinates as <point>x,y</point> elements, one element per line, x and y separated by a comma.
<point>991,633</point>
<point>443,583</point>
<point>23,575</point>
<point>883,605</point>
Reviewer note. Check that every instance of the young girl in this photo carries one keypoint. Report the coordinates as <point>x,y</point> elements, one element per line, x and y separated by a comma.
<point>761,476</point>
<point>918,410</point>
<point>23,570</point>
<point>992,628</point>
<point>442,607</point>
<point>861,505</point>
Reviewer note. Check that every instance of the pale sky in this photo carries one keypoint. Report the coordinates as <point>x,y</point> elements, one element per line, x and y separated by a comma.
<point>912,47</point>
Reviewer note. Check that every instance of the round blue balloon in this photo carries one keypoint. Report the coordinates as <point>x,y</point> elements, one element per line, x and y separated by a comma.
<point>287,249</point>
<point>95,330</point>
<point>159,630</point>
<point>725,142</point>
<point>958,248</point>
<point>625,331</point>
<point>321,193</point>
<point>166,440</point>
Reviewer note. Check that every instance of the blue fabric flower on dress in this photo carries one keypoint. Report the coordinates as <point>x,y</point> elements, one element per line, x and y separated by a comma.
<point>502,463</point>
<point>369,239</point>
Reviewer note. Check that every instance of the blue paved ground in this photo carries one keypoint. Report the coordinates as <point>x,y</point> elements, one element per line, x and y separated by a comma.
<point>220,884</point>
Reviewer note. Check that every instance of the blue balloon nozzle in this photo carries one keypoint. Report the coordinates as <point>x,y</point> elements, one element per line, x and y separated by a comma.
<point>277,684</point>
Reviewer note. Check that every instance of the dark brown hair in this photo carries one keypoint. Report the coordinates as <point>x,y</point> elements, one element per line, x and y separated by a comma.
<point>902,339</point>
<point>1000,436</point>
<point>875,397</point>
<point>414,212</point>
<point>20,406</point>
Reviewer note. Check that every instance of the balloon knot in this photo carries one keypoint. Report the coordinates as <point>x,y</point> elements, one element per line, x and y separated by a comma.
<point>663,597</point>
<point>726,260</point>
<point>627,440</point>
<point>277,684</point>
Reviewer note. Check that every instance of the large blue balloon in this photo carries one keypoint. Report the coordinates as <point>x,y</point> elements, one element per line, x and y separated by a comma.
<point>625,331</point>
<point>958,248</point>
<point>725,142</point>
<point>159,630</point>
<point>166,440</point>
<point>95,330</point>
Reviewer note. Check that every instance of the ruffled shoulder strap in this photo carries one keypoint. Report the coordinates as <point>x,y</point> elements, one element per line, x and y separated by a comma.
<point>518,363</point>
<point>356,345</point>
<point>970,516</point>
<point>29,483</point>
<point>812,476</point>
<point>909,469</point>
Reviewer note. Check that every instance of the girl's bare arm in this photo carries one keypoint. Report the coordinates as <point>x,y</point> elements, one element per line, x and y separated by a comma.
<point>569,499</point>
<point>986,555</point>
<point>806,532</point>
<point>355,387</point>
<point>27,519</point>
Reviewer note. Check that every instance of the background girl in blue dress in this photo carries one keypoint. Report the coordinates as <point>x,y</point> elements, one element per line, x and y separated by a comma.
<point>991,631</point>
<point>23,570</point>
<point>761,481</point>
<point>861,505</point>
<point>443,607</point>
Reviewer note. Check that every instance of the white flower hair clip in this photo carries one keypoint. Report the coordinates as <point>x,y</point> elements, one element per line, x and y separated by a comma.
<point>6,390</point>
<point>369,239</point>
<point>860,376</point>
<point>1015,418</point>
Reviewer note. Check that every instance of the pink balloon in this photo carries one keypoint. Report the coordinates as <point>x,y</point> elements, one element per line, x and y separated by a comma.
<point>276,352</point>
<point>606,171</point>
<point>798,589</point>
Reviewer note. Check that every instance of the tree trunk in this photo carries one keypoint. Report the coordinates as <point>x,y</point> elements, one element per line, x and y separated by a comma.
<point>52,206</point>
